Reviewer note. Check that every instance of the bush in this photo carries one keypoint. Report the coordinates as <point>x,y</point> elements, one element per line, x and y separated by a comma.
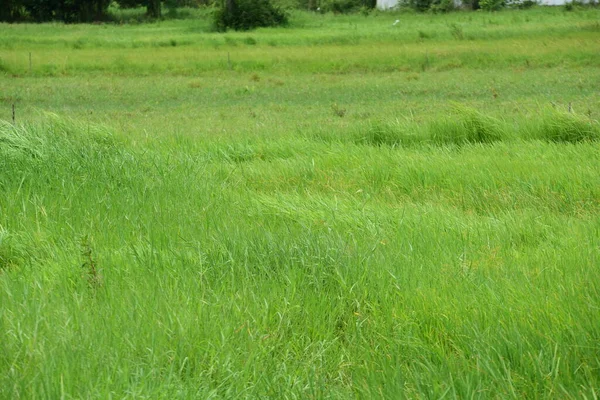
<point>521,4</point>
<point>491,5</point>
<point>471,4</point>
<point>347,6</point>
<point>243,15</point>
<point>341,6</point>
<point>417,5</point>
<point>435,6</point>
<point>442,6</point>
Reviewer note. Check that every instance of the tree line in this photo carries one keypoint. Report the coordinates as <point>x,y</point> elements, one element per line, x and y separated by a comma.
<point>235,14</point>
<point>72,10</point>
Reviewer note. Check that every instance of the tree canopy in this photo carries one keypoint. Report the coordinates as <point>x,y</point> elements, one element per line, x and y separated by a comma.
<point>68,10</point>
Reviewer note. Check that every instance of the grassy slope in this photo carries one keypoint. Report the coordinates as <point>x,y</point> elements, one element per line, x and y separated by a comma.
<point>319,221</point>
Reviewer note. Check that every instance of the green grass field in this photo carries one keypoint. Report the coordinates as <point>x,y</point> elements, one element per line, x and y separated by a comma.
<point>342,208</point>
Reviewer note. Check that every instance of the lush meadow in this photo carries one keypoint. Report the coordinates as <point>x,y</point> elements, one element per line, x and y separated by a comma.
<point>340,208</point>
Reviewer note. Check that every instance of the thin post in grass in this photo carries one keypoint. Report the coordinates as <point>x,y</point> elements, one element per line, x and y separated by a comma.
<point>425,64</point>
<point>29,63</point>
<point>13,114</point>
<point>228,61</point>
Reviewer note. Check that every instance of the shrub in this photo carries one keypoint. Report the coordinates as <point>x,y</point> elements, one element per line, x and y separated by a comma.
<point>341,6</point>
<point>521,4</point>
<point>417,5</point>
<point>442,6</point>
<point>491,5</point>
<point>471,4</point>
<point>578,5</point>
<point>243,15</point>
<point>347,6</point>
<point>434,6</point>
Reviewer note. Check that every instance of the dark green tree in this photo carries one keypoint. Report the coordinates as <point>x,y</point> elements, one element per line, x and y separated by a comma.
<point>49,10</point>
<point>153,8</point>
<point>11,11</point>
<point>242,15</point>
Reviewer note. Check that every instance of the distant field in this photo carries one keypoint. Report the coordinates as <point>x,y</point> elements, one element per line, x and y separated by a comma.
<point>340,208</point>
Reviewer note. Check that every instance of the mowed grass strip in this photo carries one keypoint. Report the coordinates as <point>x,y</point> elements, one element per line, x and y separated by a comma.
<point>313,44</point>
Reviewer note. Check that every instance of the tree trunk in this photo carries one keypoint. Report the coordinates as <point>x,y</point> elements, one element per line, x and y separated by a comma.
<point>153,9</point>
<point>230,7</point>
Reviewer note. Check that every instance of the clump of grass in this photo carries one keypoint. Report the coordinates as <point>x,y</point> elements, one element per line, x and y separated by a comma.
<point>11,253</point>
<point>563,127</point>
<point>3,66</point>
<point>457,31</point>
<point>17,141</point>
<point>246,152</point>
<point>55,135</point>
<point>239,153</point>
<point>79,44</point>
<point>391,134</point>
<point>89,264</point>
<point>424,35</point>
<point>337,110</point>
<point>380,134</point>
<point>466,126</point>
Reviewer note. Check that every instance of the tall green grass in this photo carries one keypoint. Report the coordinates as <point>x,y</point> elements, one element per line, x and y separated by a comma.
<point>348,209</point>
<point>296,268</point>
<point>465,125</point>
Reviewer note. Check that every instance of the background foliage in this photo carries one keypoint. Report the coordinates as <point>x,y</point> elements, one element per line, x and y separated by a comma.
<point>246,14</point>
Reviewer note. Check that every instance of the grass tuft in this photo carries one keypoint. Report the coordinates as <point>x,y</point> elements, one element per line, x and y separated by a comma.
<point>467,126</point>
<point>11,253</point>
<point>564,127</point>
<point>393,134</point>
<point>381,134</point>
<point>18,141</point>
<point>464,126</point>
<point>56,136</point>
